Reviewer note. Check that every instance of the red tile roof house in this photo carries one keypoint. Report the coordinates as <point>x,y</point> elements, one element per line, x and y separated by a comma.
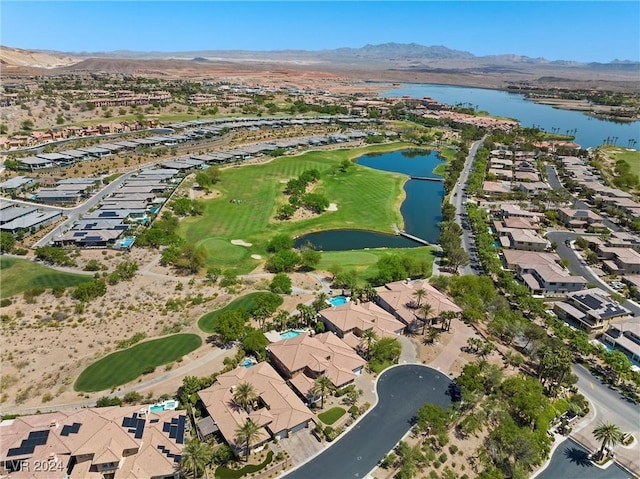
<point>351,319</point>
<point>303,358</point>
<point>94,443</point>
<point>399,299</point>
<point>278,410</point>
<point>578,218</point>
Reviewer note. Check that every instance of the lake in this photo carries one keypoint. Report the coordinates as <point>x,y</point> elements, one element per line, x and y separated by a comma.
<point>421,209</point>
<point>591,132</point>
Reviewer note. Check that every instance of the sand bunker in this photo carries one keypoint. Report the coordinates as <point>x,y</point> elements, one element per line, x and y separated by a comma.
<point>256,256</point>
<point>240,243</point>
<point>332,207</point>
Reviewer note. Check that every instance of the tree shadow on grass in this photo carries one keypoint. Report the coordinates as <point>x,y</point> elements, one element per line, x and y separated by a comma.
<point>578,456</point>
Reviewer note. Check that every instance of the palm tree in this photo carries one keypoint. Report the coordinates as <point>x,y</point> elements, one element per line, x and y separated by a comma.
<point>370,293</point>
<point>419,294</point>
<point>321,385</point>
<point>432,335</point>
<point>244,395</point>
<point>446,317</point>
<point>608,434</point>
<point>246,434</point>
<point>368,337</point>
<point>425,310</point>
<point>196,455</point>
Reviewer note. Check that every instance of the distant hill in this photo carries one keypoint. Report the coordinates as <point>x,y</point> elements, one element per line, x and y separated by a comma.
<point>391,53</point>
<point>32,58</point>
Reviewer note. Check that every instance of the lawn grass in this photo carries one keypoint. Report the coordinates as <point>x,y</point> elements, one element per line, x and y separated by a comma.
<point>223,472</point>
<point>632,157</point>
<point>259,191</point>
<point>248,302</point>
<point>19,275</point>
<point>447,154</point>
<point>332,415</point>
<point>124,366</point>
<point>364,261</point>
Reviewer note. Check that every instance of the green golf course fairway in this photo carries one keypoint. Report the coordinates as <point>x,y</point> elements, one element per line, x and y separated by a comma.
<point>257,191</point>
<point>124,366</point>
<point>19,275</point>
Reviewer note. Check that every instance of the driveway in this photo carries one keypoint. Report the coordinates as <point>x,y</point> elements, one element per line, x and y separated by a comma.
<point>402,390</point>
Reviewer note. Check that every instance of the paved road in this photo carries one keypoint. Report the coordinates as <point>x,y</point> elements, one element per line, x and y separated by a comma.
<point>578,267</point>
<point>401,391</point>
<point>570,461</point>
<point>609,406</point>
<point>458,199</point>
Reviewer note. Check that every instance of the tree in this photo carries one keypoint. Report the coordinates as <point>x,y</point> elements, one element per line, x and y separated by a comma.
<point>446,317</point>
<point>247,433</point>
<point>368,338</point>
<point>386,350</point>
<point>432,419</point>
<point>230,325</point>
<point>425,311</point>
<point>203,180</point>
<point>306,313</point>
<point>609,435</point>
<point>196,455</point>
<point>321,386</point>
<point>7,242</point>
<point>280,284</point>
<point>619,364</point>
<point>419,294</point>
<point>309,259</point>
<point>255,342</point>
<point>286,211</point>
<point>244,395</point>
<point>27,124</point>
<point>283,261</point>
<point>280,242</point>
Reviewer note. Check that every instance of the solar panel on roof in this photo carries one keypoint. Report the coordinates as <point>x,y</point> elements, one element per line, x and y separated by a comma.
<point>139,429</point>
<point>126,422</point>
<point>173,432</point>
<point>180,434</point>
<point>71,429</point>
<point>166,427</point>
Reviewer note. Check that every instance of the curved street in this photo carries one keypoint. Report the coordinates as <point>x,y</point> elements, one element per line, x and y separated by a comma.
<point>401,390</point>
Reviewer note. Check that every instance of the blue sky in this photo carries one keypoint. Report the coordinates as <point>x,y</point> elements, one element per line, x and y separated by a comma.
<point>560,30</point>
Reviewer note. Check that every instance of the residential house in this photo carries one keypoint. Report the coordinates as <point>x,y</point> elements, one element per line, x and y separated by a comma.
<point>579,218</point>
<point>353,318</point>
<point>303,358</point>
<point>277,410</point>
<point>523,239</point>
<point>620,260</point>
<point>624,336</point>
<point>591,309</point>
<point>542,273</point>
<point>91,443</point>
<point>399,298</point>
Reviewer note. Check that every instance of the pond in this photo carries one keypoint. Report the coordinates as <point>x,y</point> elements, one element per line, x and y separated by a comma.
<point>421,209</point>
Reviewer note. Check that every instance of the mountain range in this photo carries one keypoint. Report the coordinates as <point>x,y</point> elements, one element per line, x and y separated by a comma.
<point>387,61</point>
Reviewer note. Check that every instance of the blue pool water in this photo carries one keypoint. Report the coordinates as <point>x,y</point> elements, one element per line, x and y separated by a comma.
<point>154,209</point>
<point>168,405</point>
<point>128,241</point>
<point>289,334</point>
<point>337,301</point>
<point>247,363</point>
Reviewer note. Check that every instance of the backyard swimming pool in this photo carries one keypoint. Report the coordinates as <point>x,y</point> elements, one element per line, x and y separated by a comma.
<point>168,405</point>
<point>290,334</point>
<point>338,301</point>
